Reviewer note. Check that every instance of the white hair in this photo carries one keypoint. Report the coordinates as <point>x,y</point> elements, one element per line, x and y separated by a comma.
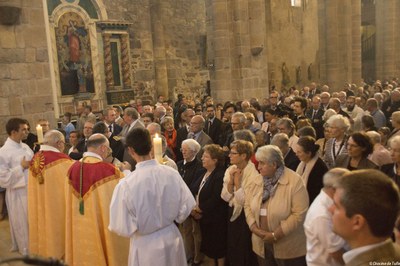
<point>270,154</point>
<point>280,140</point>
<point>333,176</point>
<point>339,121</point>
<point>395,141</point>
<point>192,144</point>
<point>328,113</point>
<point>374,136</point>
<point>52,137</point>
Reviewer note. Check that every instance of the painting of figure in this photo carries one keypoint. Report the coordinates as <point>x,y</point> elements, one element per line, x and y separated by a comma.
<point>74,56</point>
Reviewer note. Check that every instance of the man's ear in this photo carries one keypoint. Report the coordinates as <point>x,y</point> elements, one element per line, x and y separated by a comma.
<point>131,151</point>
<point>358,222</point>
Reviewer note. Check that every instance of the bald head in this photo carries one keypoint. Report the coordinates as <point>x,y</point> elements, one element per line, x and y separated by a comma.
<point>197,124</point>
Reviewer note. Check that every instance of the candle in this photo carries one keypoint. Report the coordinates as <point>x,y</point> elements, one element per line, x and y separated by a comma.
<point>39,131</point>
<point>157,146</point>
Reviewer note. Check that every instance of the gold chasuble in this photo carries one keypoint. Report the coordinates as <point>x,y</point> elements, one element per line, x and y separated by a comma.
<point>90,187</point>
<point>46,203</point>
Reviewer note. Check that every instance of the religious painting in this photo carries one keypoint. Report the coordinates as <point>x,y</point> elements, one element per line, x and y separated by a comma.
<point>74,55</point>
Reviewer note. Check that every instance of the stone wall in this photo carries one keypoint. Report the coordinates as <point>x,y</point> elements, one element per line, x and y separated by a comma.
<point>293,41</point>
<point>24,69</point>
<point>167,47</point>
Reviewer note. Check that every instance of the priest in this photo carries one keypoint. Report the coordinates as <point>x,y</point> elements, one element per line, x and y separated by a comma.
<point>91,182</point>
<point>46,197</point>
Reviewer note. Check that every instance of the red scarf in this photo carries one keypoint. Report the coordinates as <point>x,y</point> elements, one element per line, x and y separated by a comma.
<point>171,141</point>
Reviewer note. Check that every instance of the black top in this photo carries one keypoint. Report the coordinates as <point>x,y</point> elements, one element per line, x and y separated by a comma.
<point>191,172</point>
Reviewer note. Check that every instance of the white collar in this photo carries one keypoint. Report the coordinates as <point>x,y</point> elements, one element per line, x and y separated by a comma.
<point>92,154</point>
<point>48,148</point>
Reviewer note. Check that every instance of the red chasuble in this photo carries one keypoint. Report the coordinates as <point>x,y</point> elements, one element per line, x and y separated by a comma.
<point>88,196</point>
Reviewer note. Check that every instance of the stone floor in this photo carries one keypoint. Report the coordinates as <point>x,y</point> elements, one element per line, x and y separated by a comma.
<point>5,244</point>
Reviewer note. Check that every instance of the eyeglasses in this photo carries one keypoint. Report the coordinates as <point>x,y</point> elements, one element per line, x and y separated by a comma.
<point>109,151</point>
<point>352,145</point>
<point>273,97</point>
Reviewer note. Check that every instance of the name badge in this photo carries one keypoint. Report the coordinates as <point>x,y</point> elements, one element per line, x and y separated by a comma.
<point>263,212</point>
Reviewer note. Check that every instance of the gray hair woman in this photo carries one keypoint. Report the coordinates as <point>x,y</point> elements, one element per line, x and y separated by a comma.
<point>191,170</point>
<point>275,209</point>
<point>286,125</point>
<point>338,126</point>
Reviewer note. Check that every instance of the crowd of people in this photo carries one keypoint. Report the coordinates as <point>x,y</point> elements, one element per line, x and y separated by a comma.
<point>307,177</point>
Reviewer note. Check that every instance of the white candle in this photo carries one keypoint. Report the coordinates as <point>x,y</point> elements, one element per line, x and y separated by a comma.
<point>157,146</point>
<point>39,132</point>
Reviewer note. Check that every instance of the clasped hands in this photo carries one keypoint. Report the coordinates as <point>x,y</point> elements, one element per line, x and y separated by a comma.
<point>236,177</point>
<point>264,235</point>
<point>196,213</point>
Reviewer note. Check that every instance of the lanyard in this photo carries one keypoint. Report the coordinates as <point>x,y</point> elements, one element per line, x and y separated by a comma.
<point>340,148</point>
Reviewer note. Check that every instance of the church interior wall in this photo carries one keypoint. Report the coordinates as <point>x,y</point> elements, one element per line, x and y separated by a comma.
<point>24,66</point>
<point>293,40</point>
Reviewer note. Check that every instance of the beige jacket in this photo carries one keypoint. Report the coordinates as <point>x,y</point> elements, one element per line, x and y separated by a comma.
<point>287,208</point>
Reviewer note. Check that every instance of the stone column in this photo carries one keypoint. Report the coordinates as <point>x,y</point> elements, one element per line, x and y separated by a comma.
<point>126,74</point>
<point>218,12</point>
<point>108,62</point>
<point>160,63</point>
<point>356,41</point>
<point>340,42</point>
<point>331,35</point>
<point>238,38</point>
<point>385,38</point>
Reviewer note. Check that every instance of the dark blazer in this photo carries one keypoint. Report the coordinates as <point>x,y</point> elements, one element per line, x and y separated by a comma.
<point>116,129</point>
<point>388,169</point>
<point>291,160</point>
<point>210,202</point>
<point>317,122</point>
<point>343,160</point>
<point>81,147</point>
<point>203,139</point>
<point>343,113</point>
<point>191,171</point>
<point>181,135</point>
<point>215,131</point>
<point>117,147</point>
<point>30,141</point>
<point>315,183</point>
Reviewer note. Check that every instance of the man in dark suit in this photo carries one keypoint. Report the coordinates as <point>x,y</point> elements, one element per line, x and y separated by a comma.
<point>197,133</point>
<point>110,115</point>
<point>281,140</point>
<point>80,148</point>
<point>181,133</point>
<point>315,115</point>
<point>115,141</point>
<point>364,214</point>
<point>214,127</point>
<point>299,108</point>
<point>314,90</point>
<point>334,103</point>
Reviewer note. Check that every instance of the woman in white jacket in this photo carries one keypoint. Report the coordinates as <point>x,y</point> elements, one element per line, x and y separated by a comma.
<point>238,177</point>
